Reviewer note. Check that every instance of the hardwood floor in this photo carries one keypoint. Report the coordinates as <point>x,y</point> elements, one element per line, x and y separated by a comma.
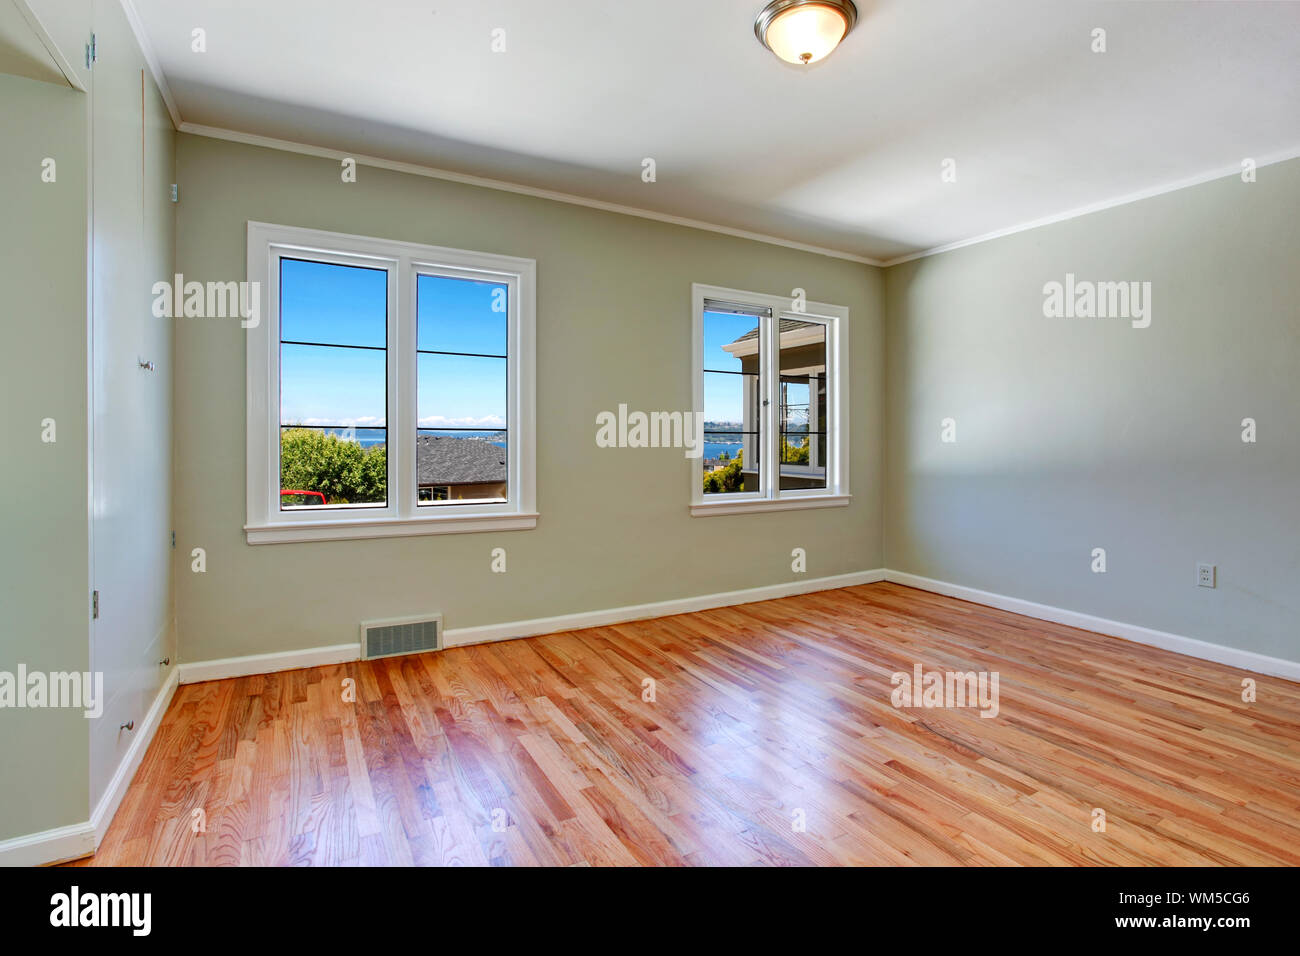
<point>771,739</point>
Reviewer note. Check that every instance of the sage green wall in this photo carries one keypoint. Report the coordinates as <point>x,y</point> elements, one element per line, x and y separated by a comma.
<point>1074,434</point>
<point>613,325</point>
<point>44,541</point>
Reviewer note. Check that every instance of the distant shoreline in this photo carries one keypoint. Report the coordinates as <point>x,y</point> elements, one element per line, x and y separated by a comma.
<point>373,437</point>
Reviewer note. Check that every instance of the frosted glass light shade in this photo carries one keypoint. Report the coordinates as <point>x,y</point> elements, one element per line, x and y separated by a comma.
<point>806,32</point>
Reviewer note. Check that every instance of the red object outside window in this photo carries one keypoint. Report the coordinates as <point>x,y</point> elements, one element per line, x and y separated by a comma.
<point>309,494</point>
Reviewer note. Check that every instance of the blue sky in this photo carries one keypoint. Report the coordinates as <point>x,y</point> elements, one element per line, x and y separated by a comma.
<point>458,315</point>
<point>347,305</point>
<point>724,394</point>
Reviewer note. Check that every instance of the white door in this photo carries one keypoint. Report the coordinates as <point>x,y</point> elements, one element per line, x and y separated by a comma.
<point>131,449</point>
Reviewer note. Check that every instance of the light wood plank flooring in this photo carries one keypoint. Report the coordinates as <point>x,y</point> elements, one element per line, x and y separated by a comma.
<point>771,739</point>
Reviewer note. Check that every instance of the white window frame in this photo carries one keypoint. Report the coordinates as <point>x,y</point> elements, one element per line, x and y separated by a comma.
<point>266,522</point>
<point>770,497</point>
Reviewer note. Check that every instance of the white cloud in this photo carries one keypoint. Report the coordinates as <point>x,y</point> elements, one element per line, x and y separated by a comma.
<point>442,421</point>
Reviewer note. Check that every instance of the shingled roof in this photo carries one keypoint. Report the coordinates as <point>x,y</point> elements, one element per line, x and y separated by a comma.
<point>787,325</point>
<point>443,460</point>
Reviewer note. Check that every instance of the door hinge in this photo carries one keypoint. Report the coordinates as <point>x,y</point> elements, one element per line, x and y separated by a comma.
<point>173,540</point>
<point>91,54</point>
<point>94,605</point>
<point>176,192</point>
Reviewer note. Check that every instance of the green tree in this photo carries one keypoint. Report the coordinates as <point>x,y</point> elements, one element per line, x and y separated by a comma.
<point>343,471</point>
<point>794,454</point>
<point>727,479</point>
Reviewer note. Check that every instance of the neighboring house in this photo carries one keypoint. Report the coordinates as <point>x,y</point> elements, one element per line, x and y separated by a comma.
<point>451,469</point>
<point>801,411</point>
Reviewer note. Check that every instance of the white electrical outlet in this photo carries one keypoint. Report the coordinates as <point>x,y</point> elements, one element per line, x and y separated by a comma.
<point>1205,575</point>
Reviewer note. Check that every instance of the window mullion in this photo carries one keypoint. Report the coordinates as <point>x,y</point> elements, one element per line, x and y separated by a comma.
<point>514,409</point>
<point>767,365</point>
<point>829,452</point>
<point>401,394</point>
<point>271,477</point>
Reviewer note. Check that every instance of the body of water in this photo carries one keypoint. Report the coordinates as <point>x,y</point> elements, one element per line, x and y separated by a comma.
<point>369,437</point>
<point>715,449</point>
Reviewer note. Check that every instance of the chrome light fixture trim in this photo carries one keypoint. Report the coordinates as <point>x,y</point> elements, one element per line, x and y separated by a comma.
<point>770,13</point>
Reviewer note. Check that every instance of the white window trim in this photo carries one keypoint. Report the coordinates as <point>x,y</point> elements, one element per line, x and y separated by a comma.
<point>836,492</point>
<point>266,522</point>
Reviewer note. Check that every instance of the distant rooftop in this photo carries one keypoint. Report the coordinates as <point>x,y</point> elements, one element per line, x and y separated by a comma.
<point>442,460</point>
<point>787,325</point>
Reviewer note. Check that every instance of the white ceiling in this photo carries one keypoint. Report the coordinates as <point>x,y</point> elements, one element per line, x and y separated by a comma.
<point>844,155</point>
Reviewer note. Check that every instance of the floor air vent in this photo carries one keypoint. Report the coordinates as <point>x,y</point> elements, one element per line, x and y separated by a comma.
<point>408,636</point>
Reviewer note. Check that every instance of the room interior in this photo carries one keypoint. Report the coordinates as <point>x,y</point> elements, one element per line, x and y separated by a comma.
<point>958,354</point>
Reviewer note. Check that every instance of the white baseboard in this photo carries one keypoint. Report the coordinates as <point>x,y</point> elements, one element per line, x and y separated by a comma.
<point>82,839</point>
<point>102,815</point>
<point>196,671</point>
<point>1190,646</point>
<point>49,846</point>
<point>460,636</point>
<point>70,842</point>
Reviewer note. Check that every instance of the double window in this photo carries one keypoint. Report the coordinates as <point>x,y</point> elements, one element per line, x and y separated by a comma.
<point>390,388</point>
<point>769,385</point>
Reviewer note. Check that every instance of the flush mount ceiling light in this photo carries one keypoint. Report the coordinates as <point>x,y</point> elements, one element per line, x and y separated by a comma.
<point>804,31</point>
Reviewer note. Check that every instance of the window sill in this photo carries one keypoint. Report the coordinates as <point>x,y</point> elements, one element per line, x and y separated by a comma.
<point>705,508</point>
<point>289,532</point>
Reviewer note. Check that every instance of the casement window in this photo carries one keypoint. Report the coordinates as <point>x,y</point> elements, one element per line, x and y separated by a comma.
<point>390,388</point>
<point>769,380</point>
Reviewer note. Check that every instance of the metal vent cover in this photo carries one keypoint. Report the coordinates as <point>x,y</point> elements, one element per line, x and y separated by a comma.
<point>405,636</point>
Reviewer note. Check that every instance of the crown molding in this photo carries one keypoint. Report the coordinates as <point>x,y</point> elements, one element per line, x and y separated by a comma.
<point>142,38</point>
<point>306,149</point>
<point>1220,173</point>
<point>253,139</point>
